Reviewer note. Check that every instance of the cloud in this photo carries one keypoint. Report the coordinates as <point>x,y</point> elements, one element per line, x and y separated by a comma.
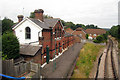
<point>100,12</point>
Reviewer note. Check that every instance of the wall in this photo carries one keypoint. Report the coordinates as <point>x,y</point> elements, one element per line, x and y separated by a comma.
<point>20,32</point>
<point>20,69</point>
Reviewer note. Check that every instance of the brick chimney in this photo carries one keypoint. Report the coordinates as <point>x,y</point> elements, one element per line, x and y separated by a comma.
<point>39,14</point>
<point>20,18</point>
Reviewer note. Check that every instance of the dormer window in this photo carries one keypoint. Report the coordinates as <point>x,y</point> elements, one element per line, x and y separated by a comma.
<point>27,33</point>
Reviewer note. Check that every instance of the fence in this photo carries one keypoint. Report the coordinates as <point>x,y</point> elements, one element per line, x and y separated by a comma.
<point>20,69</point>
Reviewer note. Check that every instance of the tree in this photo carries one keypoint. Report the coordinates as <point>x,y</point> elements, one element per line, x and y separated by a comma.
<point>47,16</point>
<point>114,31</point>
<point>80,25</point>
<point>6,25</point>
<point>10,46</point>
<point>70,25</point>
<point>32,15</point>
<point>118,31</point>
<point>91,26</point>
<point>99,39</point>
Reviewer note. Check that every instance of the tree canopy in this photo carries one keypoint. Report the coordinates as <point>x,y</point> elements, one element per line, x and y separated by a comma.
<point>114,31</point>
<point>10,46</point>
<point>32,15</point>
<point>6,25</point>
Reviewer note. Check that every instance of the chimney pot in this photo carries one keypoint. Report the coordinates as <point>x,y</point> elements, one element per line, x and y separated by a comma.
<point>39,14</point>
<point>20,18</point>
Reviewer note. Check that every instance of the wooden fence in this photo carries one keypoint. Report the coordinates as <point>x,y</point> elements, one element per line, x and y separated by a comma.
<point>22,68</point>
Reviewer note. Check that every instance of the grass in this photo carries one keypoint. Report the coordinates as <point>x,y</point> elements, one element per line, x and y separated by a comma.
<point>86,59</point>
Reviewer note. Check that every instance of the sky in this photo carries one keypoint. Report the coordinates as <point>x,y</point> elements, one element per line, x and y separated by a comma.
<point>103,13</point>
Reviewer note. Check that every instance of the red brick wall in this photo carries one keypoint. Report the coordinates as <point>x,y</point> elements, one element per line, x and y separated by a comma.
<point>50,40</point>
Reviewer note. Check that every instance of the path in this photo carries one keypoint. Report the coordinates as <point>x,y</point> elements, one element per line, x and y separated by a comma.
<point>63,63</point>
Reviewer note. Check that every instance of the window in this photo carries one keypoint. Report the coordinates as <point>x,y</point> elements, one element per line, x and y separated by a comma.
<point>94,34</point>
<point>27,33</point>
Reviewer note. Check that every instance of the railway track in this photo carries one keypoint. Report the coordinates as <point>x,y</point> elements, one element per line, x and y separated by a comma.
<point>106,68</point>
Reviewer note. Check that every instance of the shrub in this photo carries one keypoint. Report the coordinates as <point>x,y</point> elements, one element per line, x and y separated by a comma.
<point>10,46</point>
<point>96,41</point>
<point>99,39</point>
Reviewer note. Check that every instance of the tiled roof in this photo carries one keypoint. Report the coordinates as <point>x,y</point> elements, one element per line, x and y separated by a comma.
<point>78,33</point>
<point>78,29</point>
<point>67,34</point>
<point>95,31</point>
<point>29,50</point>
<point>69,30</point>
<point>46,24</point>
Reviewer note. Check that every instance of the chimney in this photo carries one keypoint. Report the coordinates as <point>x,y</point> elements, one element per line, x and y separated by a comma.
<point>39,14</point>
<point>20,18</point>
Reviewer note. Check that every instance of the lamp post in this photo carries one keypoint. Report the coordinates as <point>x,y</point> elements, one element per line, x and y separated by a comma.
<point>54,61</point>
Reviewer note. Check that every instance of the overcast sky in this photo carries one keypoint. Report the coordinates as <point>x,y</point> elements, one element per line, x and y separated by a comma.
<point>103,13</point>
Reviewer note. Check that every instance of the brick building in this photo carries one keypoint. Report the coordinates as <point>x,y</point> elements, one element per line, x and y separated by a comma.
<point>93,33</point>
<point>41,33</point>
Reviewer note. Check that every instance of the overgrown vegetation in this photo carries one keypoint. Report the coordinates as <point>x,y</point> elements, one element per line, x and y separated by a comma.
<point>87,57</point>
<point>101,38</point>
<point>10,46</point>
<point>115,31</point>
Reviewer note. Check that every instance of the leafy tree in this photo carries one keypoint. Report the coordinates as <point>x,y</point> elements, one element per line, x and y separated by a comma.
<point>32,15</point>
<point>91,26</point>
<point>10,46</point>
<point>80,25</point>
<point>114,31</point>
<point>6,25</point>
<point>71,25</point>
<point>105,36</point>
<point>47,16</point>
<point>86,36</point>
<point>0,27</point>
<point>118,31</point>
<point>99,39</point>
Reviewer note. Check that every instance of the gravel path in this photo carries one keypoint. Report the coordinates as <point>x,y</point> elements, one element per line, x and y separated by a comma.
<point>63,63</point>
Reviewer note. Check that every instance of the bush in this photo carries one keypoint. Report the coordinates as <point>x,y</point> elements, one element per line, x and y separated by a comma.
<point>10,46</point>
<point>99,39</point>
<point>96,41</point>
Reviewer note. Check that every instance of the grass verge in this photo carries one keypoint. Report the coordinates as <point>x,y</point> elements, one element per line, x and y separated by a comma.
<point>86,59</point>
